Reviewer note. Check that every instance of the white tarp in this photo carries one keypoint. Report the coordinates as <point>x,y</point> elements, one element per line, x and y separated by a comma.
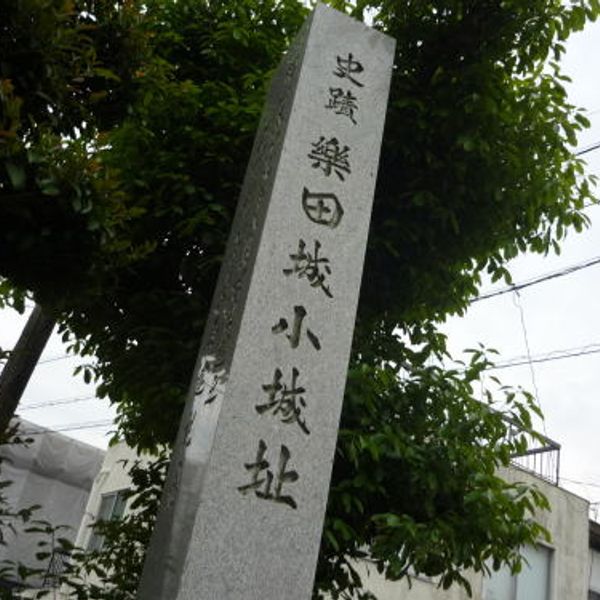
<point>54,471</point>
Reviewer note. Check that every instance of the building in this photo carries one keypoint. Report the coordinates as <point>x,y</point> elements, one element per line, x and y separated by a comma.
<point>566,569</point>
<point>54,472</point>
<point>594,566</point>
<point>106,500</point>
<point>556,571</point>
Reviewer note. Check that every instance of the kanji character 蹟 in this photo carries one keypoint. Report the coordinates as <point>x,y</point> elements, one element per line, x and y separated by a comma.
<point>342,104</point>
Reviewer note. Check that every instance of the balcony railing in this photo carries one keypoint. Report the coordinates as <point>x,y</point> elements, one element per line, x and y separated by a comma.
<point>542,458</point>
<point>58,563</point>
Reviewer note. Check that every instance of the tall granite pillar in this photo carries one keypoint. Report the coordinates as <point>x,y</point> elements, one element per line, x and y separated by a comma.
<point>245,498</point>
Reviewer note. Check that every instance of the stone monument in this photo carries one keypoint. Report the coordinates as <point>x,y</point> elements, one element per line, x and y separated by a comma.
<point>244,503</point>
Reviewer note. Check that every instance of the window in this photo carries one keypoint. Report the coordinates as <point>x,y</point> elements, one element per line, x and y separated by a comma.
<point>112,507</point>
<point>532,583</point>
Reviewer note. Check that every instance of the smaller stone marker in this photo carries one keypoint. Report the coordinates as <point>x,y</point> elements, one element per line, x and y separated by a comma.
<point>243,508</point>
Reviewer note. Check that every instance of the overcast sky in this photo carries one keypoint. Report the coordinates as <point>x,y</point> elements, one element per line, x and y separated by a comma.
<point>558,314</point>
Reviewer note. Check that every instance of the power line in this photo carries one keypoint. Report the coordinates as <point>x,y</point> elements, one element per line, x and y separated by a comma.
<point>590,263</point>
<point>69,427</point>
<point>54,359</point>
<point>63,398</point>
<point>89,425</point>
<point>590,148</point>
<point>548,357</point>
<point>61,402</point>
<point>539,279</point>
<point>517,301</point>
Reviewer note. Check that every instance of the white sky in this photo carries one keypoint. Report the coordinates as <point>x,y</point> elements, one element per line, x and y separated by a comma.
<point>558,314</point>
<point>53,381</point>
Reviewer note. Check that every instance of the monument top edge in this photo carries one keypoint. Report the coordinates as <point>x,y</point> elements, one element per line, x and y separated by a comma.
<point>322,8</point>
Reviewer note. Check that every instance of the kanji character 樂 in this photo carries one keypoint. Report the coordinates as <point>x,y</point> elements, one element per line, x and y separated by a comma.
<point>329,156</point>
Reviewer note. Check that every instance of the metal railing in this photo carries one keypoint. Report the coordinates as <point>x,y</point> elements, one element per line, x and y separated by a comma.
<point>542,457</point>
<point>57,565</point>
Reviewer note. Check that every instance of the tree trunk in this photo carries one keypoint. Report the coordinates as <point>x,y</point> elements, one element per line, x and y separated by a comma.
<point>21,363</point>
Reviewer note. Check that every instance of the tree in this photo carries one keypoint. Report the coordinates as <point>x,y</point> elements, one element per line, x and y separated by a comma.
<point>123,145</point>
<point>21,362</point>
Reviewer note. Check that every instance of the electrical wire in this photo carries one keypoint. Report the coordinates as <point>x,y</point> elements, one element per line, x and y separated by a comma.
<point>69,427</point>
<point>539,279</point>
<point>89,425</point>
<point>517,302</point>
<point>548,357</point>
<point>59,402</point>
<point>54,359</point>
<point>590,148</point>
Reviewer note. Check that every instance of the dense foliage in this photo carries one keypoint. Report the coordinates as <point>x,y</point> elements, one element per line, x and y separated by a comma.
<point>125,128</point>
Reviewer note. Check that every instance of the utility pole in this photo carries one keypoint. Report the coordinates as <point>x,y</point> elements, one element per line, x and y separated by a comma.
<point>21,363</point>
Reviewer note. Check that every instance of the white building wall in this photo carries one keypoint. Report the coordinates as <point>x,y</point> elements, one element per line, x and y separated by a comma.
<point>594,571</point>
<point>112,477</point>
<point>420,589</point>
<point>567,522</point>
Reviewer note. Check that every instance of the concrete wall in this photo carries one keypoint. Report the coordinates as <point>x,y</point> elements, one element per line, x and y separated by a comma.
<point>568,524</point>
<point>421,588</point>
<point>569,570</point>
<point>594,570</point>
<point>112,477</point>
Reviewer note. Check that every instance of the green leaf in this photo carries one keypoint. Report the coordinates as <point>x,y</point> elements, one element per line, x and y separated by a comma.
<point>17,175</point>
